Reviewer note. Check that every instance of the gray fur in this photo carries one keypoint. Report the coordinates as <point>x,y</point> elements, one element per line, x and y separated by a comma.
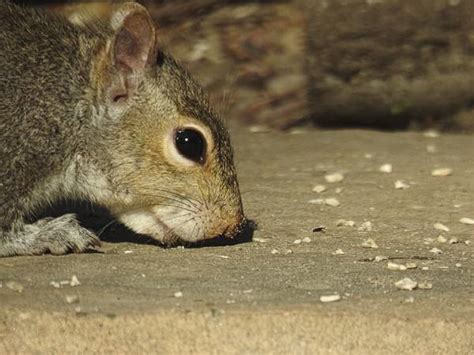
<point>57,139</point>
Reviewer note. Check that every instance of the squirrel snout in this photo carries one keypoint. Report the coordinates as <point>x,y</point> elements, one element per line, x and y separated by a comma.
<point>228,228</point>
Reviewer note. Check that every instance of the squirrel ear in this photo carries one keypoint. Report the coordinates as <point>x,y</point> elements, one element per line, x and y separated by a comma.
<point>133,48</point>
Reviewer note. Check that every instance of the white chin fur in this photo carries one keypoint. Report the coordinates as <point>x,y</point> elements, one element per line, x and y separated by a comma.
<point>163,223</point>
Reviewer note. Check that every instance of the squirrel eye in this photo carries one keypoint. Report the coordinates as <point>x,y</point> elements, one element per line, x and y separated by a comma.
<point>191,144</point>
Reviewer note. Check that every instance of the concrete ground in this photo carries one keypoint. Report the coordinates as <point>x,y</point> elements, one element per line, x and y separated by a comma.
<point>264,296</point>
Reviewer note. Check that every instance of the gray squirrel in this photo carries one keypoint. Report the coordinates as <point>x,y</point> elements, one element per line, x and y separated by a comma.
<point>100,113</point>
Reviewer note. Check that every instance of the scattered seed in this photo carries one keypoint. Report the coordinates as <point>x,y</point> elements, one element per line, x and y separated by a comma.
<point>316,201</point>
<point>453,241</point>
<point>441,239</point>
<point>259,129</point>
<point>431,148</point>
<point>74,281</point>
<point>425,268</point>
<point>72,299</point>
<point>306,240</point>
<point>330,298</point>
<point>260,240</point>
<point>247,291</point>
<point>344,223</point>
<point>458,265</point>
<point>369,243</point>
<point>338,190</point>
<point>428,240</point>
<point>334,202</point>
<point>338,252</point>
<point>128,252</point>
<point>319,188</point>
<point>386,168</point>
<point>395,266</point>
<point>275,251</point>
<point>467,242</point>
<point>410,299</point>
<point>406,284</point>
<point>411,265</point>
<point>436,251</point>
<point>55,284</point>
<point>15,286</point>
<point>425,285</point>
<point>400,185</point>
<point>466,220</point>
<point>365,227</point>
<point>178,294</point>
<point>380,258</point>
<point>288,251</point>
<point>332,178</point>
<point>441,172</point>
<point>441,227</point>
<point>297,241</point>
<point>431,133</point>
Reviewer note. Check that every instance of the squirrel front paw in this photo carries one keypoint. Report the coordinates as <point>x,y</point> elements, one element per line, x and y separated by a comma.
<point>57,236</point>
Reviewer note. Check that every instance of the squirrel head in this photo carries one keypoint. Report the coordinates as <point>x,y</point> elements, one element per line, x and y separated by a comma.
<point>169,157</point>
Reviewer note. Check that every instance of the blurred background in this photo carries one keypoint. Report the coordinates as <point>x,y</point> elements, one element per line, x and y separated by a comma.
<point>384,64</point>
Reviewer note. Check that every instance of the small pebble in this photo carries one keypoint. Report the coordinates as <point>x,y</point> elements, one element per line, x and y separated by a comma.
<point>441,227</point>
<point>338,190</point>
<point>275,251</point>
<point>319,229</point>
<point>338,252</point>
<point>316,201</point>
<point>441,172</point>
<point>411,265</point>
<point>406,284</point>
<point>334,202</point>
<point>466,220</point>
<point>344,223</point>
<point>369,243</point>
<point>297,241</point>
<point>74,281</point>
<point>441,239</point>
<point>365,227</point>
<point>400,185</point>
<point>395,266</point>
<point>380,258</point>
<point>425,268</point>
<point>458,265</point>
<point>72,299</point>
<point>332,178</point>
<point>260,240</point>
<point>436,251</point>
<point>386,168</point>
<point>453,241</point>
<point>425,285</point>
<point>288,251</point>
<point>306,240</point>
<point>330,298</point>
<point>15,286</point>
<point>178,294</point>
<point>128,252</point>
<point>319,188</point>
<point>467,242</point>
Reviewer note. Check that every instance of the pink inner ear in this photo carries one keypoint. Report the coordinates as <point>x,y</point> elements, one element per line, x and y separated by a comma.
<point>134,42</point>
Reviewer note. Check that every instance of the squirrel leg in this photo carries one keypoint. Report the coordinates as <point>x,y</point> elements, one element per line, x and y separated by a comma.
<point>49,235</point>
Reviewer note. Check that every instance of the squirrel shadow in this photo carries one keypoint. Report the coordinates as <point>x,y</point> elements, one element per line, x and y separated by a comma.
<point>108,229</point>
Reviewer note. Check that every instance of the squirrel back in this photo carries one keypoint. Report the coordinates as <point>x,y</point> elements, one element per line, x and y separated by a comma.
<point>101,113</point>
